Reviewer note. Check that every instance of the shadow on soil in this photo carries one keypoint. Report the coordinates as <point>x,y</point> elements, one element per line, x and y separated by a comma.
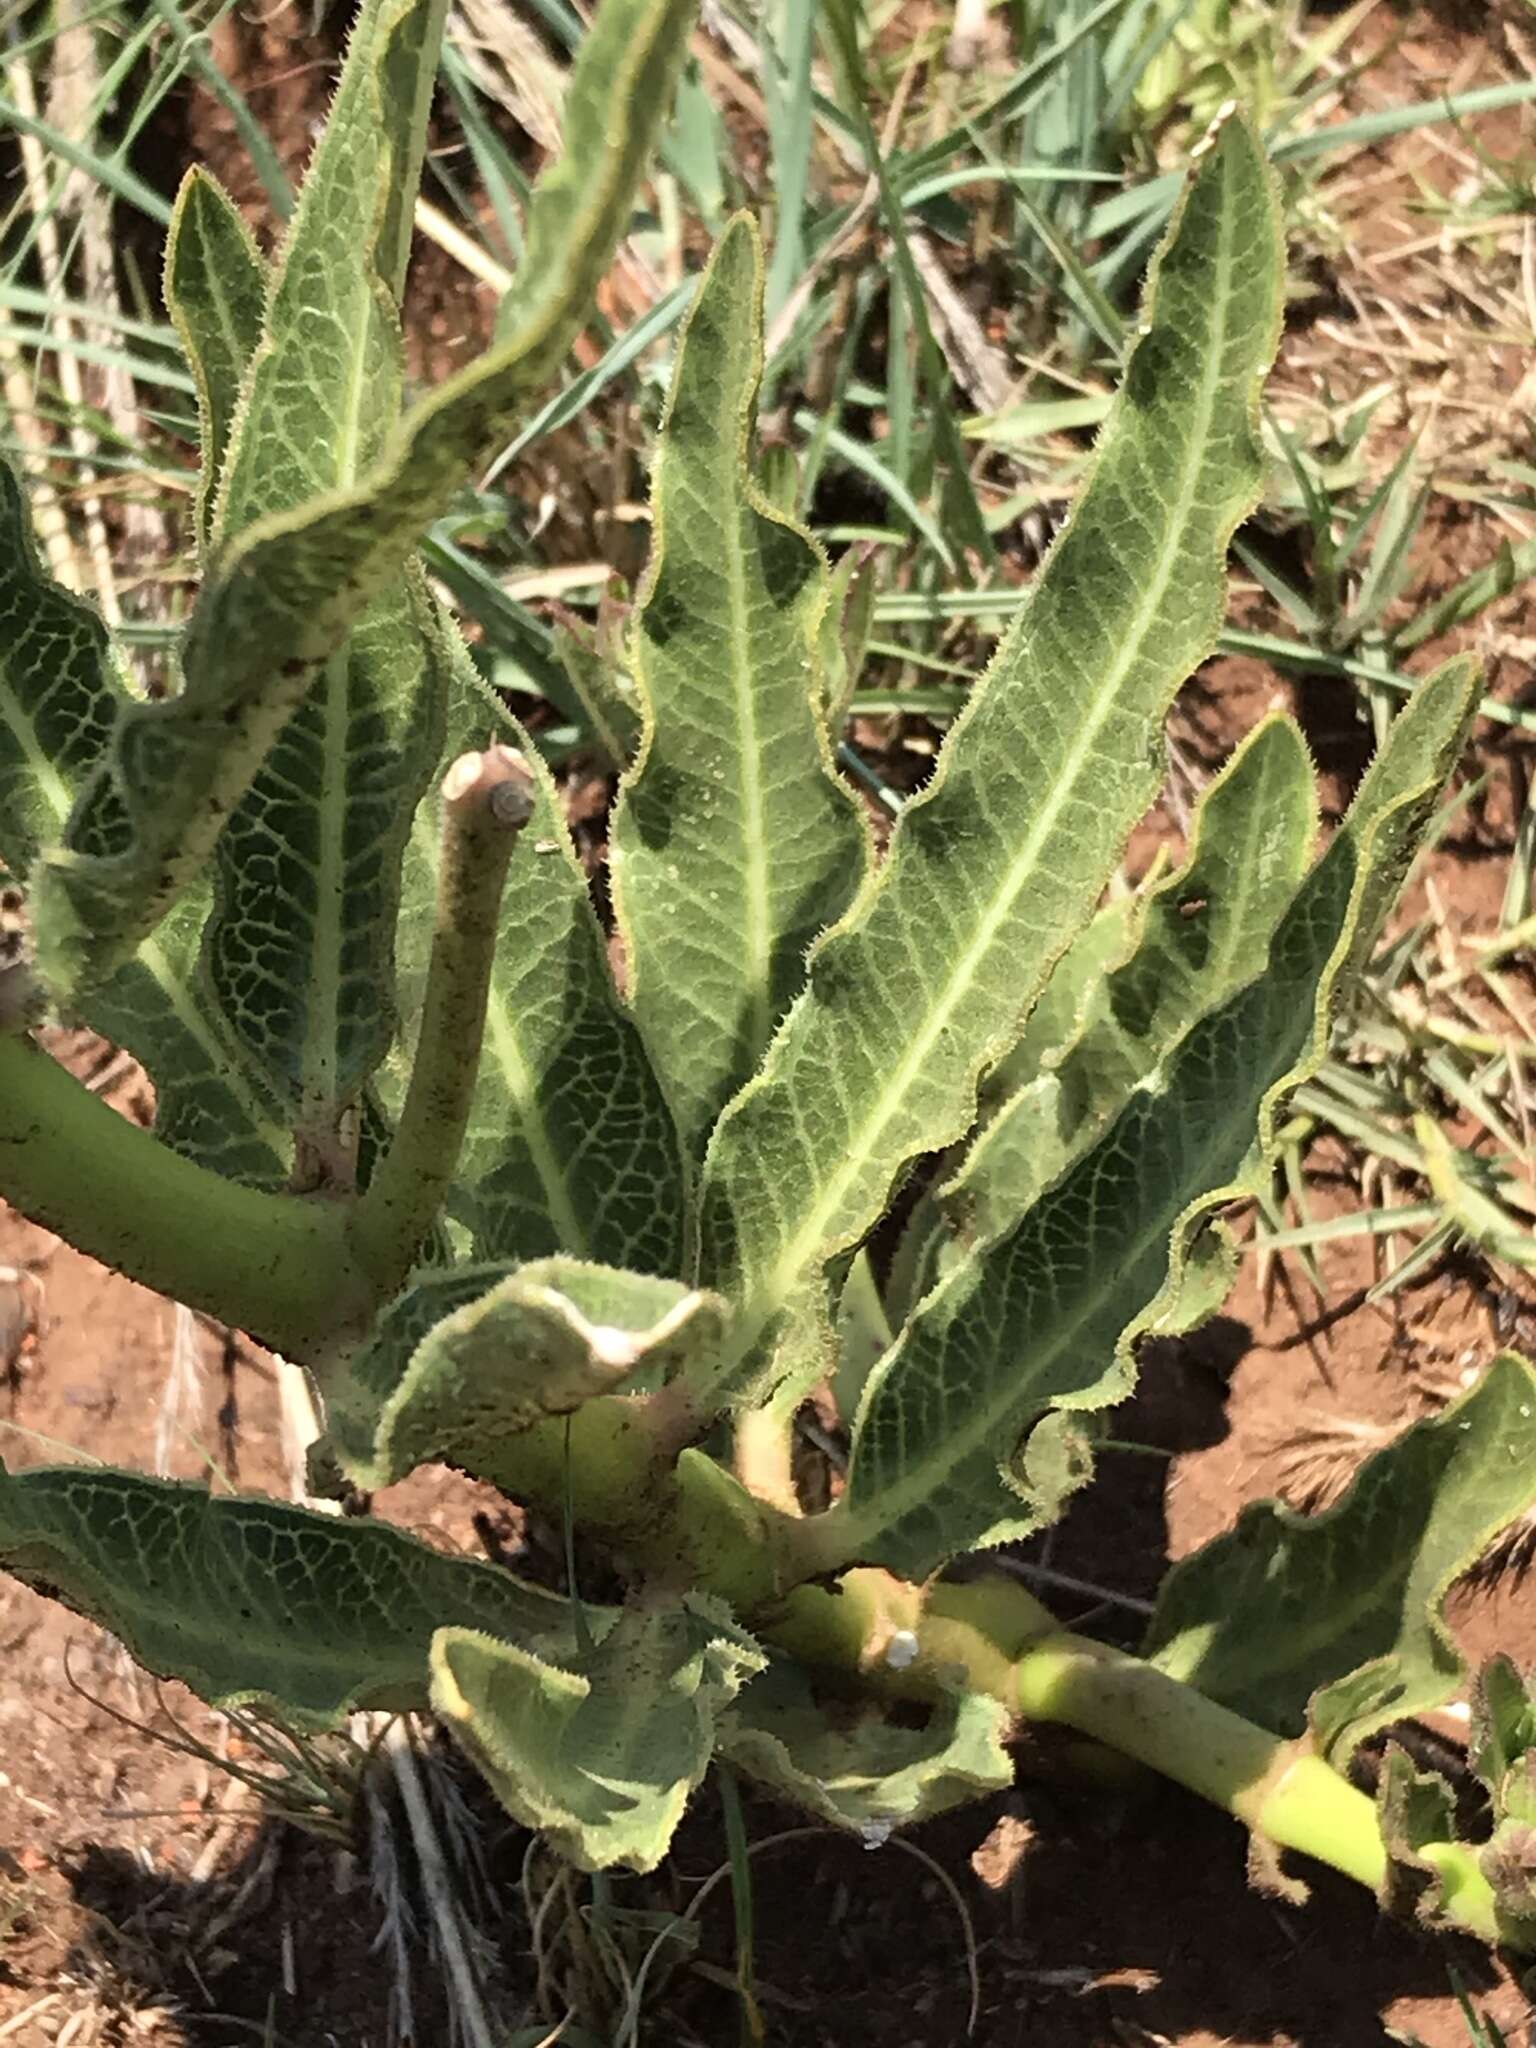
<point>1114,1915</point>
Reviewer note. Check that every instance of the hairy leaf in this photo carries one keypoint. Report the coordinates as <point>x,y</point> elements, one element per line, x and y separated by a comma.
<point>1061,1014</point>
<point>1046,1319</point>
<point>300,948</point>
<point>995,867</point>
<point>1022,1082</point>
<point>215,293</point>
<point>601,1755</point>
<point>606,696</point>
<point>1200,937</point>
<point>468,1358</point>
<point>1501,1748</point>
<point>61,689</point>
<point>305,1616</point>
<point>845,629</point>
<point>734,842</point>
<point>873,1774</point>
<point>570,1146</point>
<point>1416,1811</point>
<point>322,390</point>
<point>207,1106</point>
<point>1337,1620</point>
<point>287,589</point>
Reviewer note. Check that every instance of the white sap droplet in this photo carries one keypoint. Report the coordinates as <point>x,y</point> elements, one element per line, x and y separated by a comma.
<point>901,1650</point>
<point>876,1833</point>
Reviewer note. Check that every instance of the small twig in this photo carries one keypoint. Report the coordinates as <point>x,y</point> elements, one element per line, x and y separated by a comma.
<point>432,222</point>
<point>437,1886</point>
<point>183,1383</point>
<point>487,800</point>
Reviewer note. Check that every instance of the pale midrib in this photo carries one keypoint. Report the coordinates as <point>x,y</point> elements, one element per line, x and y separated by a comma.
<point>319,1060</point>
<point>38,765</point>
<point>179,1001</point>
<point>807,1240</point>
<point>758,915</point>
<point>1215,982</point>
<point>981,1417</point>
<point>964,1442</point>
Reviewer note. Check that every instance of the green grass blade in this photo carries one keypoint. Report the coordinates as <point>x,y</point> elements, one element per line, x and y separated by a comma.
<point>734,843</point>
<point>786,72</point>
<point>198,56</point>
<point>963,515</point>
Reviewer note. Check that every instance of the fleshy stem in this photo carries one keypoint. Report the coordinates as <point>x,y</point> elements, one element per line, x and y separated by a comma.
<point>276,1265</point>
<point>487,800</point>
<point>994,1638</point>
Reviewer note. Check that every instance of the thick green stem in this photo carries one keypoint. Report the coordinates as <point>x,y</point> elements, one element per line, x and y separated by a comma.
<point>487,800</point>
<point>276,1265</point>
<point>997,1639</point>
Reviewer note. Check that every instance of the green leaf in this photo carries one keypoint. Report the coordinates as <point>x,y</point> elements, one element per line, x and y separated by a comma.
<point>286,590</point>
<point>207,1106</point>
<point>874,1773</point>
<point>734,842</point>
<point>322,390</point>
<point>604,694</point>
<point>215,293</point>
<point>1337,1621</point>
<point>299,951</point>
<point>599,1755</point>
<point>1047,1318</point>
<point>61,688</point>
<point>570,1146</point>
<point>1061,1014</point>
<point>1508,1861</point>
<point>1200,937</point>
<point>863,1333</point>
<point>304,1616</point>
<point>467,1358</point>
<point>845,629</point>
<point>998,864</point>
<point>1502,1746</point>
<point>1416,1811</point>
